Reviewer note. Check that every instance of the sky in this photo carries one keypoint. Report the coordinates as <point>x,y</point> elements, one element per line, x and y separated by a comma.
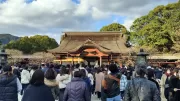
<point>52,17</point>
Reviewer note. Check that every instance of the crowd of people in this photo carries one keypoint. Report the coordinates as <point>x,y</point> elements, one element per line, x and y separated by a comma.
<point>50,82</point>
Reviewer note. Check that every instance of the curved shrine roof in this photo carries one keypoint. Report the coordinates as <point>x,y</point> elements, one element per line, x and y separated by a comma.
<point>106,42</point>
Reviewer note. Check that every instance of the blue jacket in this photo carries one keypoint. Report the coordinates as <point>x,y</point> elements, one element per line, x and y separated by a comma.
<point>77,90</point>
<point>8,88</point>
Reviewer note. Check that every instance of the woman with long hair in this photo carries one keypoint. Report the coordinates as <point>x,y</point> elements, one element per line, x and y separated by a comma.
<point>37,90</point>
<point>50,81</point>
<point>63,79</point>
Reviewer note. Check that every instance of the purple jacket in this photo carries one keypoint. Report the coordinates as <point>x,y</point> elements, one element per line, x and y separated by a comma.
<point>77,90</point>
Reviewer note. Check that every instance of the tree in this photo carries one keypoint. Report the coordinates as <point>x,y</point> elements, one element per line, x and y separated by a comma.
<point>29,45</point>
<point>115,27</point>
<point>158,28</point>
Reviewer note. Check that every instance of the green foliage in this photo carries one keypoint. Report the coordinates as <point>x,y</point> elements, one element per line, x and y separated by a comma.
<point>114,27</point>
<point>158,28</point>
<point>29,45</point>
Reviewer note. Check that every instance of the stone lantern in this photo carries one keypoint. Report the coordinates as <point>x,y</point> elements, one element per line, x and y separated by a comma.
<point>142,58</point>
<point>3,57</point>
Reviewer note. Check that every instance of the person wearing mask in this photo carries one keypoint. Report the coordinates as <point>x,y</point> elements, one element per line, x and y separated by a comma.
<point>50,81</point>
<point>151,77</point>
<point>77,89</point>
<point>63,79</point>
<point>44,67</point>
<point>25,78</point>
<point>37,90</point>
<point>140,88</point>
<point>99,77</point>
<point>111,84</point>
<point>9,85</point>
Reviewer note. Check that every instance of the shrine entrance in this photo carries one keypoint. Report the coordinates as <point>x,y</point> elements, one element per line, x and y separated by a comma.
<point>91,60</point>
<point>91,55</point>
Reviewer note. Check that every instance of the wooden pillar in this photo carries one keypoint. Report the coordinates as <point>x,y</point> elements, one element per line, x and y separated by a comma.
<point>111,56</point>
<point>78,60</point>
<point>73,60</point>
<point>108,60</point>
<point>61,62</point>
<point>100,60</point>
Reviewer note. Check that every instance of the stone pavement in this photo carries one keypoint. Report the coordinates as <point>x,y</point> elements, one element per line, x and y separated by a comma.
<point>94,98</point>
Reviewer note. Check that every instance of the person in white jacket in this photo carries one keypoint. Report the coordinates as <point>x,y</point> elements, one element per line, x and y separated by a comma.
<point>63,79</point>
<point>25,78</point>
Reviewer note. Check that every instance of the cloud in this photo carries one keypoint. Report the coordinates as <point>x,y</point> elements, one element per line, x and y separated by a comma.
<point>30,17</point>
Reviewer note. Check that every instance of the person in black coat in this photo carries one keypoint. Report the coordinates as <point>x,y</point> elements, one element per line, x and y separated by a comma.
<point>175,87</point>
<point>37,90</point>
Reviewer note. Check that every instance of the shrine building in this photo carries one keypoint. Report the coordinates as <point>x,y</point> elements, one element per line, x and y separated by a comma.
<point>91,47</point>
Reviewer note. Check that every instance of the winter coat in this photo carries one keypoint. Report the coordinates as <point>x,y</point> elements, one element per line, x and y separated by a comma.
<point>32,72</point>
<point>91,78</point>
<point>63,80</point>
<point>99,77</point>
<point>38,93</point>
<point>53,85</point>
<point>8,88</point>
<point>76,90</point>
<point>158,73</point>
<point>25,76</point>
<point>177,93</point>
<point>141,89</point>
<point>173,83</point>
<point>167,88</point>
<point>88,82</point>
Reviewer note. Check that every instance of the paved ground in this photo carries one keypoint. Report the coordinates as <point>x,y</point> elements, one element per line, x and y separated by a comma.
<point>94,98</point>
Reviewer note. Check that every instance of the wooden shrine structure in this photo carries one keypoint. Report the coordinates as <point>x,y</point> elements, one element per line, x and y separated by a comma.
<point>100,47</point>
